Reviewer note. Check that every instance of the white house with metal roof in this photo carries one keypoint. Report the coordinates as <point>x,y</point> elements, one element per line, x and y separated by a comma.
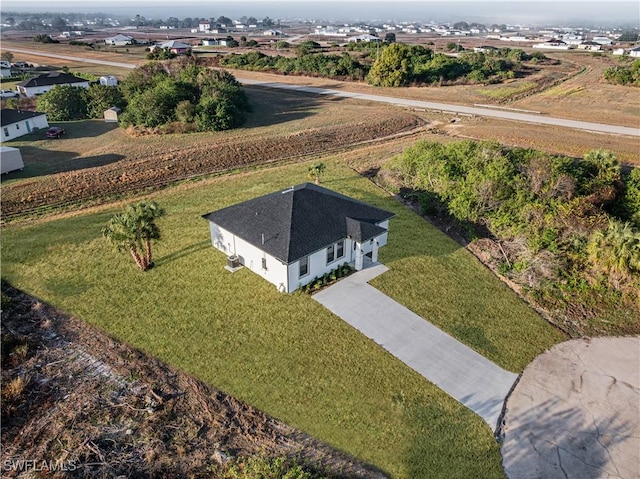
<point>294,236</point>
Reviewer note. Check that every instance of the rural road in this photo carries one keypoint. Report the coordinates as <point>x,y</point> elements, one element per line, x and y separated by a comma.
<point>465,110</point>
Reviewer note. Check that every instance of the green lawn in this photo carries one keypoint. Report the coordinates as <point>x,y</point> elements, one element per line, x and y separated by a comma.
<point>285,354</point>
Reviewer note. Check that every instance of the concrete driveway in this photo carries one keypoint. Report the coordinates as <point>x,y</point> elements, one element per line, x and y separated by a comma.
<point>455,368</point>
<point>575,413</point>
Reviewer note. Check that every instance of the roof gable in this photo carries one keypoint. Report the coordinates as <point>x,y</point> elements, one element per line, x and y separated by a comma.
<point>293,223</point>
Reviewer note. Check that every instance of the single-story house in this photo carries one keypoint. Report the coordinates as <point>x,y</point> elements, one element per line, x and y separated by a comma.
<point>10,159</point>
<point>634,52</point>
<point>603,40</point>
<point>485,49</point>
<point>618,51</point>
<point>108,80</point>
<point>364,38</point>
<point>208,42</point>
<point>591,46</point>
<point>119,40</point>
<point>553,44</point>
<point>293,236</point>
<point>45,82</point>
<point>272,33</point>
<point>5,72</point>
<point>111,114</point>
<point>179,48</point>
<point>204,26</point>
<point>15,123</point>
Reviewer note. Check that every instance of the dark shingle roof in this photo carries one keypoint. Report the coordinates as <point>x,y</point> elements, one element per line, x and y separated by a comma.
<point>300,221</point>
<point>53,78</point>
<point>8,117</point>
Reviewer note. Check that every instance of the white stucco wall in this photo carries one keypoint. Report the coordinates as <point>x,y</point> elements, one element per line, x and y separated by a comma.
<point>23,127</point>
<point>250,256</point>
<point>287,277</point>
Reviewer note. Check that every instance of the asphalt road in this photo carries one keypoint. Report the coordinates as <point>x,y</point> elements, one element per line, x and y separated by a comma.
<point>446,107</point>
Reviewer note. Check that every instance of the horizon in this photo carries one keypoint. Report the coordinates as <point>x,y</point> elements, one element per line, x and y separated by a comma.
<point>544,12</point>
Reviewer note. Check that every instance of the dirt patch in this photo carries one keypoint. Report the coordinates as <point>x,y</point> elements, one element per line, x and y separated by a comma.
<point>147,169</point>
<point>82,401</point>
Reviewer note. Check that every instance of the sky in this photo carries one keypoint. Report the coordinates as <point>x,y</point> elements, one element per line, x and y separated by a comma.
<point>592,12</point>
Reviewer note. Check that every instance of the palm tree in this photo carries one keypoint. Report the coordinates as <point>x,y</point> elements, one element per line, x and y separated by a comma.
<point>617,249</point>
<point>133,230</point>
<point>315,172</point>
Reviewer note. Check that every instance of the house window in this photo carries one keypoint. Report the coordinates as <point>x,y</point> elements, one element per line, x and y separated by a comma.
<point>340,249</point>
<point>304,267</point>
<point>264,263</point>
<point>6,131</point>
<point>330,254</point>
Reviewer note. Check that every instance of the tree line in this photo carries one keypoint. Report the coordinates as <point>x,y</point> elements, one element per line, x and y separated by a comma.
<point>567,230</point>
<point>155,95</point>
<point>395,65</point>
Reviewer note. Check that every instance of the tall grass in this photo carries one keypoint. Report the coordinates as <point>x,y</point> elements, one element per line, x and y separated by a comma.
<point>286,354</point>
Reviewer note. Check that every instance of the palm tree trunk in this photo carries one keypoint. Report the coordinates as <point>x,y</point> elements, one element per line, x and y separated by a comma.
<point>147,247</point>
<point>137,258</point>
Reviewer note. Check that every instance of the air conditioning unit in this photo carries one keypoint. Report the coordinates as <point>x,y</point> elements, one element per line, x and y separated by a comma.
<point>233,261</point>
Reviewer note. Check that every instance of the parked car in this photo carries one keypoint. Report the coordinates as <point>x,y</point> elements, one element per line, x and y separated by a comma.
<point>8,94</point>
<point>20,65</point>
<point>55,132</point>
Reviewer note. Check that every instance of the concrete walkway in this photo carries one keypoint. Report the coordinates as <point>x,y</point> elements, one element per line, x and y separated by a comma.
<point>455,368</point>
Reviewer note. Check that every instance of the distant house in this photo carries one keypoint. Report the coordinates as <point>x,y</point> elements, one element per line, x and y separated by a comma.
<point>272,33</point>
<point>111,114</point>
<point>618,51</point>
<point>208,42</point>
<point>364,38</point>
<point>603,40</point>
<point>108,80</point>
<point>179,48</point>
<point>590,46</point>
<point>16,123</point>
<point>119,40</point>
<point>204,26</point>
<point>291,237</point>
<point>553,44</point>
<point>485,49</point>
<point>634,52</point>
<point>45,82</point>
<point>5,72</point>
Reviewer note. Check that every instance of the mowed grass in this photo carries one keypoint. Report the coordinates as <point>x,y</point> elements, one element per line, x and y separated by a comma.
<point>285,354</point>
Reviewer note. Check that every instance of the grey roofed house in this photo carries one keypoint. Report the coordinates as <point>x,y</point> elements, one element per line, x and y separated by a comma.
<point>300,221</point>
<point>9,116</point>
<point>53,78</point>
<point>292,236</point>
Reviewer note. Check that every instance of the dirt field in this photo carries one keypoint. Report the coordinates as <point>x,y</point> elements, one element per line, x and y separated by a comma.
<point>73,396</point>
<point>282,128</point>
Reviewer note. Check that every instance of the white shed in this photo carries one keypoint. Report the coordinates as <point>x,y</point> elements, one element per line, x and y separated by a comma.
<point>111,115</point>
<point>109,80</point>
<point>10,159</point>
